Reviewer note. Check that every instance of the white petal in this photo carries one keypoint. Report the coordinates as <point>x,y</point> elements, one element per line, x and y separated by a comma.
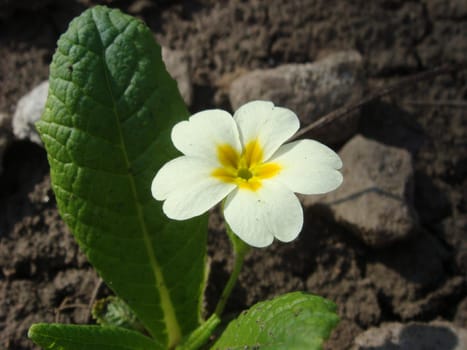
<point>195,200</point>
<point>188,188</point>
<point>177,173</point>
<point>200,135</point>
<point>271,125</point>
<point>308,167</point>
<point>257,217</point>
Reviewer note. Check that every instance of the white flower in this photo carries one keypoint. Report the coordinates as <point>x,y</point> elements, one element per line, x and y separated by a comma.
<point>243,159</point>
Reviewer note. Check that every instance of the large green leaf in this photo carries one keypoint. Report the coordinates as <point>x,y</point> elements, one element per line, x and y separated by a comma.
<point>294,321</point>
<point>74,337</point>
<point>106,128</point>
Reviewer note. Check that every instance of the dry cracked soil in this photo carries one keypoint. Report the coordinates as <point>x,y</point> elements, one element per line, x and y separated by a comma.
<point>43,275</point>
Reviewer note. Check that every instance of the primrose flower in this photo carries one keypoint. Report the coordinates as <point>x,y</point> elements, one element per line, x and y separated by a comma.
<point>243,159</point>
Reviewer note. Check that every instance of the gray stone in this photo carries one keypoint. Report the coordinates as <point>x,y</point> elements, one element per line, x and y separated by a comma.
<point>28,110</point>
<point>311,90</point>
<point>375,199</point>
<point>436,335</point>
<point>178,66</point>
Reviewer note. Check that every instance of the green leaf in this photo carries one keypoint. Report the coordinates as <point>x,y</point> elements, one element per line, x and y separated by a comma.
<point>113,311</point>
<point>74,337</point>
<point>106,128</point>
<point>294,321</point>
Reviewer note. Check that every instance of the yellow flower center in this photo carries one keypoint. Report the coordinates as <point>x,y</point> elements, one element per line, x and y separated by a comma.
<point>246,170</point>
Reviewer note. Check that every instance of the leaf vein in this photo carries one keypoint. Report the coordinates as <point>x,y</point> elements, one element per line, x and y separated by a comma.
<point>173,328</point>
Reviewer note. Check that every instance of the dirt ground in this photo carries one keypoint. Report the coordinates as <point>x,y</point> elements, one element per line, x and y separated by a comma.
<point>43,276</point>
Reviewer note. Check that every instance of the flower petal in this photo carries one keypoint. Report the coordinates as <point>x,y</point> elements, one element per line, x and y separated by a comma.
<point>259,216</point>
<point>199,135</point>
<point>195,200</point>
<point>271,125</point>
<point>188,188</point>
<point>177,173</point>
<point>308,167</point>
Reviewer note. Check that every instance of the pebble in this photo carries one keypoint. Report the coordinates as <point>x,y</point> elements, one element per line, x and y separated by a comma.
<point>28,110</point>
<point>435,335</point>
<point>375,199</point>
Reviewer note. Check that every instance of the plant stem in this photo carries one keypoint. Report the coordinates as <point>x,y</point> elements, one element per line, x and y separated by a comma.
<point>240,250</point>
<point>200,335</point>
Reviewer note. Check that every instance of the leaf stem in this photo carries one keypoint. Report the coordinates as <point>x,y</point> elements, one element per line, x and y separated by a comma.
<point>200,335</point>
<point>240,250</point>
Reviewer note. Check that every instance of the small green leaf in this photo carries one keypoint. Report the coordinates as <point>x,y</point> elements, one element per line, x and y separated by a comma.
<point>294,321</point>
<point>74,337</point>
<point>113,311</point>
<point>106,128</point>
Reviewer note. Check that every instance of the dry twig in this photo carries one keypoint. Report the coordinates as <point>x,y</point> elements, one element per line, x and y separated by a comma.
<point>438,103</point>
<point>95,293</point>
<point>399,86</point>
<point>64,306</point>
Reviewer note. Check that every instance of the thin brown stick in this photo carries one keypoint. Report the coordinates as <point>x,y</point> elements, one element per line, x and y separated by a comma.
<point>72,306</point>
<point>439,103</point>
<point>351,108</point>
<point>94,294</point>
<point>64,306</point>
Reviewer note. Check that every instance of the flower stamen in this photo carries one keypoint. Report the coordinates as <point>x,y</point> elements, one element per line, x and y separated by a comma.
<point>246,170</point>
<point>245,174</point>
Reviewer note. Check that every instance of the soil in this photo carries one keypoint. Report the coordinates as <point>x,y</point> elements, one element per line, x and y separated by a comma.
<point>43,275</point>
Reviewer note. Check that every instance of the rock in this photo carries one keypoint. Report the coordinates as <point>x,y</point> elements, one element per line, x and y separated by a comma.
<point>178,66</point>
<point>375,199</point>
<point>311,90</point>
<point>435,335</point>
<point>28,110</point>
<point>392,125</point>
